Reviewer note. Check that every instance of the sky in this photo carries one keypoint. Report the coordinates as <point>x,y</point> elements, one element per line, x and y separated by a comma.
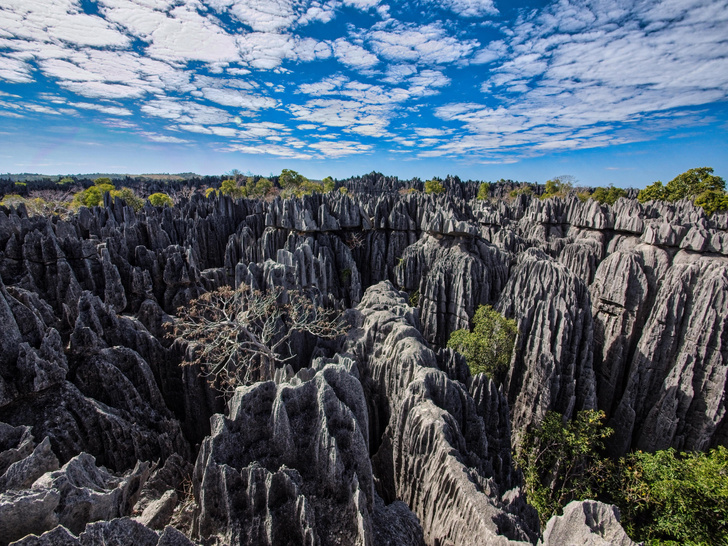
<point>608,91</point>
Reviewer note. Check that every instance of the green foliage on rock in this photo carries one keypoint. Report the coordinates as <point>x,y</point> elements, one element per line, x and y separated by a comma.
<point>558,187</point>
<point>128,195</point>
<point>700,185</point>
<point>488,347</point>
<point>653,192</point>
<point>94,196</point>
<point>608,195</point>
<point>525,190</point>
<point>230,187</point>
<point>161,200</point>
<point>289,179</point>
<point>560,461</point>
<point>434,186</point>
<point>297,185</point>
<point>671,498</point>
<point>329,184</point>
<point>483,190</point>
<point>712,201</point>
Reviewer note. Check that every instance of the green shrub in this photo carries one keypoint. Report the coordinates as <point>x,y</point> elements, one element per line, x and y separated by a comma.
<point>558,187</point>
<point>93,196</point>
<point>434,186</point>
<point>230,187</point>
<point>483,190</point>
<point>329,184</point>
<point>666,497</point>
<point>161,200</point>
<point>414,298</point>
<point>608,195</point>
<point>488,347</point>
<point>128,195</point>
<point>700,185</point>
<point>560,461</point>
<point>526,190</point>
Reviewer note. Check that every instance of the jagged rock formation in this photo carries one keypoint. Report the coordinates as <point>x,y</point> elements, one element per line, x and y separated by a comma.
<point>620,308</point>
<point>433,449</point>
<point>551,367</point>
<point>591,523</point>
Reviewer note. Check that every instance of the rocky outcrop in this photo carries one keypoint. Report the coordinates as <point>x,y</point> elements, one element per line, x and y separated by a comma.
<point>121,531</point>
<point>452,277</point>
<point>289,464</point>
<point>36,496</point>
<point>431,444</point>
<point>591,523</point>
<point>676,380</point>
<point>619,307</point>
<point>551,368</point>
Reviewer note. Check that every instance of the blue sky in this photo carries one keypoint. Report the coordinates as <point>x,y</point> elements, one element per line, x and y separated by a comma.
<point>609,91</point>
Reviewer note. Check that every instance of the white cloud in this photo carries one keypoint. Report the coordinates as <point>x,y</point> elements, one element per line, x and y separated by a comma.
<point>14,70</point>
<point>234,98</point>
<point>100,90</point>
<point>186,112</point>
<point>353,55</point>
<point>340,148</point>
<point>103,108</point>
<point>585,73</point>
<point>57,20</point>
<point>187,36</point>
<point>428,44</point>
<point>155,137</point>
<point>470,8</point>
<point>269,149</point>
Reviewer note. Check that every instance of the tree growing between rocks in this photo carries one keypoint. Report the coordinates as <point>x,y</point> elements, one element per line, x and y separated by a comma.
<point>560,460</point>
<point>489,346</point>
<point>434,186</point>
<point>699,185</point>
<point>241,335</point>
<point>161,200</point>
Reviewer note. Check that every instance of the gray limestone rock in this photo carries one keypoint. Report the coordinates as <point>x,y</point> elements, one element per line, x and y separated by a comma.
<point>22,474</point>
<point>432,450</point>
<point>58,536</point>
<point>620,303</point>
<point>551,367</point>
<point>289,464</point>
<point>587,523</point>
<point>670,398</point>
<point>452,276</point>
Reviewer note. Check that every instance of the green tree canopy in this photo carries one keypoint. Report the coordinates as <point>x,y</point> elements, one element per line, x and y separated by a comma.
<point>559,186</point>
<point>161,200</point>
<point>671,498</point>
<point>700,185</point>
<point>291,179</point>
<point>483,190</point>
<point>230,187</point>
<point>128,195</point>
<point>560,460</point>
<point>608,195</point>
<point>488,347</point>
<point>434,186</point>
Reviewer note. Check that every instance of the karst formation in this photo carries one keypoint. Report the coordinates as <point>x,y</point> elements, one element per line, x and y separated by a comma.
<point>380,437</point>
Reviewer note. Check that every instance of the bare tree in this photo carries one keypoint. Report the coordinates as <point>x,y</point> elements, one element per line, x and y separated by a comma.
<point>241,335</point>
